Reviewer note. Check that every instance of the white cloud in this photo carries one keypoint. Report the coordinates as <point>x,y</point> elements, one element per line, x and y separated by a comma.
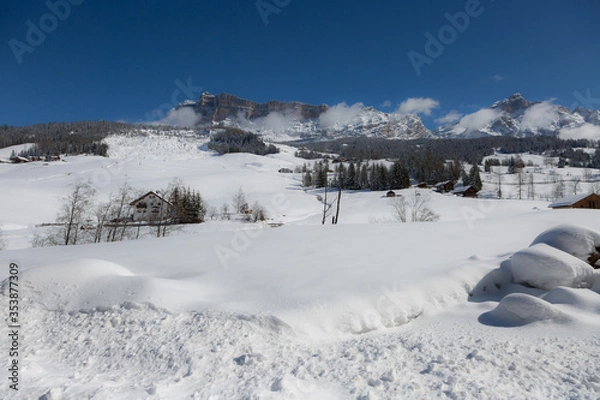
<point>387,104</point>
<point>340,114</point>
<point>184,116</point>
<point>540,115</point>
<point>479,119</point>
<point>585,131</point>
<point>498,78</point>
<point>449,118</point>
<point>278,122</point>
<point>274,122</point>
<point>418,105</point>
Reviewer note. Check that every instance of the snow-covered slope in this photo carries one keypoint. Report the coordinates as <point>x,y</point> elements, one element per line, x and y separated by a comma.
<point>517,117</point>
<point>364,309</point>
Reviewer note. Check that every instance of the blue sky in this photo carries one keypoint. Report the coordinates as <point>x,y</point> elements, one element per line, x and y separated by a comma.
<point>124,60</point>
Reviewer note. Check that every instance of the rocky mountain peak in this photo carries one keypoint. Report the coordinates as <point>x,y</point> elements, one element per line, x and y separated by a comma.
<point>514,103</point>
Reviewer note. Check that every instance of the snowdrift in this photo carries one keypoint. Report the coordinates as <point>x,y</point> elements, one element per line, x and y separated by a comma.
<point>88,284</point>
<point>556,275</point>
<point>577,241</point>
<point>517,309</point>
<point>546,267</point>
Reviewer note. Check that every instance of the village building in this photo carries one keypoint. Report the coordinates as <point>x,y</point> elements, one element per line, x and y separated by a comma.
<point>466,191</point>
<point>149,208</point>
<point>444,187</point>
<point>584,200</point>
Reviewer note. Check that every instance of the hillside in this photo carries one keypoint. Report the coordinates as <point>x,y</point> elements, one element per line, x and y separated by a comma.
<point>368,308</point>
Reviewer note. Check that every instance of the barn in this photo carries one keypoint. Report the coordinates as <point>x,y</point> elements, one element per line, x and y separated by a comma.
<point>584,200</point>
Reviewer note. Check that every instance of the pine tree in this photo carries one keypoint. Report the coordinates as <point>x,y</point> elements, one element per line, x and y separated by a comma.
<point>363,177</point>
<point>474,177</point>
<point>351,178</point>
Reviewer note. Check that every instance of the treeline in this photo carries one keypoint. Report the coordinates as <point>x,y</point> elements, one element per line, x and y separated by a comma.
<point>69,138</point>
<point>358,176</point>
<point>130,215</point>
<point>233,140</point>
<point>82,220</point>
<point>379,176</point>
<point>471,151</point>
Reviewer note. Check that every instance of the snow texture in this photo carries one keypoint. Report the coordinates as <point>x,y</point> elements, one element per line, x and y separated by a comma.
<point>546,268</point>
<point>576,240</point>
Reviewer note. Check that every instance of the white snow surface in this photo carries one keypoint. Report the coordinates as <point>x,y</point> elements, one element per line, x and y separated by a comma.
<point>366,309</point>
<point>546,268</point>
<point>575,240</point>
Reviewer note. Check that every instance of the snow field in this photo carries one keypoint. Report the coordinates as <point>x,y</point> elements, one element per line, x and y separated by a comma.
<point>361,310</point>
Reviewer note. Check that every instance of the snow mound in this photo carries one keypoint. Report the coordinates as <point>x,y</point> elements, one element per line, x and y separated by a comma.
<point>581,299</point>
<point>517,309</point>
<point>576,240</point>
<point>86,284</point>
<point>545,267</point>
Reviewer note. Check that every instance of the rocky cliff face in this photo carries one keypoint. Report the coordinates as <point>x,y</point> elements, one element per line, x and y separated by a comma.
<point>283,121</point>
<point>217,108</point>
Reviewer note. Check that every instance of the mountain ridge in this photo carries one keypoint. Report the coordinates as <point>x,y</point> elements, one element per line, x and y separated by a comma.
<point>276,120</point>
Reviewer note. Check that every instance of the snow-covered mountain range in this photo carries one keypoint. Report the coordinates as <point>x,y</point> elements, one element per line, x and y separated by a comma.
<point>287,121</point>
<point>518,117</point>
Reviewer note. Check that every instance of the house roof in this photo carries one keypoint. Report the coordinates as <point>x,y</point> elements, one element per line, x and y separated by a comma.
<point>462,189</point>
<point>569,200</point>
<point>443,183</point>
<point>146,195</point>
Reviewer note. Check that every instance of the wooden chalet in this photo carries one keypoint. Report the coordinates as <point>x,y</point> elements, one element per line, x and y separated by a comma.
<point>444,187</point>
<point>466,191</point>
<point>585,200</point>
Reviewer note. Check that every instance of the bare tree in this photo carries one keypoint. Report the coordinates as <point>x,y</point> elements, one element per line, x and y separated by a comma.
<point>575,184</point>
<point>102,214</point>
<point>225,211</point>
<point>499,175</point>
<point>520,183</point>
<point>399,205</point>
<point>259,213</point>
<point>212,212</point>
<point>74,212</point>
<point>531,188</point>
<point>119,215</point>
<point>239,201</point>
<point>420,211</point>
<point>558,191</point>
<point>595,187</point>
<point>415,210</point>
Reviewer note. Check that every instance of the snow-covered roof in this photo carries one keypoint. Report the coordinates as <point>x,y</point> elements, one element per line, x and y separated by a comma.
<point>461,189</point>
<point>569,200</point>
<point>443,183</point>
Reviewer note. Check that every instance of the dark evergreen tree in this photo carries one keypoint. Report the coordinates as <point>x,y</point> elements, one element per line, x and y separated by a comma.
<point>474,177</point>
